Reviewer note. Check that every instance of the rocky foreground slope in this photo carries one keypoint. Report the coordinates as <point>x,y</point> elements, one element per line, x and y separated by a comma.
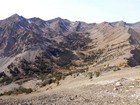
<point>35,52</point>
<point>113,88</point>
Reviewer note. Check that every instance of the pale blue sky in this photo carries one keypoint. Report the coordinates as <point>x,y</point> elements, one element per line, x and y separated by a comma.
<point>83,10</point>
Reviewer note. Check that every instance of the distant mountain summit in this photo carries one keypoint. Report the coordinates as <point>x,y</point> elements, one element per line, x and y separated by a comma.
<point>34,48</point>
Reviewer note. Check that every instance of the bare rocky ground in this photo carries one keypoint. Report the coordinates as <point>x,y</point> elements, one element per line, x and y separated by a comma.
<point>112,88</point>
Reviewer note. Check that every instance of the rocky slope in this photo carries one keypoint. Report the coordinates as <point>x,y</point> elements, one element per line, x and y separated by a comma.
<point>38,49</point>
<point>113,88</point>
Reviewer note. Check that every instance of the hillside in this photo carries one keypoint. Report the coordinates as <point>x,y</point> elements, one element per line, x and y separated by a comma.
<point>112,88</point>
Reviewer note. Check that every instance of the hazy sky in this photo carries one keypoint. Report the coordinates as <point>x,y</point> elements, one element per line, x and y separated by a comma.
<point>82,10</point>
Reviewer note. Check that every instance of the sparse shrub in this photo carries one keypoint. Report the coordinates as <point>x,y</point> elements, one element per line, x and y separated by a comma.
<point>97,73</point>
<point>1,94</point>
<point>77,74</point>
<point>70,73</point>
<point>90,75</point>
<point>7,93</point>
<point>116,69</point>
<point>57,75</point>
<point>24,90</point>
<point>20,82</point>
<point>44,83</point>
<point>6,80</point>
<point>17,91</point>
<point>74,76</point>
<point>58,82</point>
<point>50,81</point>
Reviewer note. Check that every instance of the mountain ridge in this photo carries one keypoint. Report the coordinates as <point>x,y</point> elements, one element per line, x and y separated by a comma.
<point>37,48</point>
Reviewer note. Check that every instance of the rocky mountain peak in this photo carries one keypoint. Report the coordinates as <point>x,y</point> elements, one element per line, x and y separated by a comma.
<point>14,21</point>
<point>58,19</point>
<point>63,25</point>
<point>15,17</point>
<point>120,23</point>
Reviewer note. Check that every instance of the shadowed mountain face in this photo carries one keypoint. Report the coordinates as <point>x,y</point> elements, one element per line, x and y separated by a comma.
<point>32,47</point>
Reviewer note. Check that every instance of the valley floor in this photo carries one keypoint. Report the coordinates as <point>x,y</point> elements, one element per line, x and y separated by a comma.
<point>112,88</point>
